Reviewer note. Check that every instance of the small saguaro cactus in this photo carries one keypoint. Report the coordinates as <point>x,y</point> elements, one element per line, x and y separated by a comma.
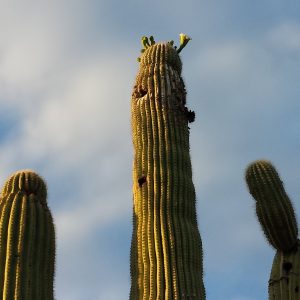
<point>166,248</point>
<point>277,218</point>
<point>27,239</point>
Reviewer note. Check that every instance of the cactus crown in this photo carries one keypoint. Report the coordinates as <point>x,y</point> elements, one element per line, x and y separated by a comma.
<point>161,53</point>
<point>27,182</point>
<point>149,42</point>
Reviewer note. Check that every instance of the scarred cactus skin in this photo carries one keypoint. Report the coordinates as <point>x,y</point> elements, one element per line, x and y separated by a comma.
<point>166,249</point>
<point>27,239</point>
<point>277,218</point>
<point>284,280</point>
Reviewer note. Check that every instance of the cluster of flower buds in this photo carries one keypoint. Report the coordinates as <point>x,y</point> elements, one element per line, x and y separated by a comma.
<point>148,42</point>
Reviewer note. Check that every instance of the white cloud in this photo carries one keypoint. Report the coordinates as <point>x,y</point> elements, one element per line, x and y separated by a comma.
<point>80,126</point>
<point>30,46</point>
<point>76,127</point>
<point>74,118</point>
<point>89,212</point>
<point>226,59</point>
<point>39,42</point>
<point>286,37</point>
<point>74,107</point>
<point>82,117</point>
<point>240,69</point>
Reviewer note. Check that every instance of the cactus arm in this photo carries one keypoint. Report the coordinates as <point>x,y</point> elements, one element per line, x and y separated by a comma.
<point>277,218</point>
<point>273,206</point>
<point>27,247</point>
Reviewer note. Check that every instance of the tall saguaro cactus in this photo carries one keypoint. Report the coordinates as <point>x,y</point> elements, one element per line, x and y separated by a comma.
<point>166,249</point>
<point>277,218</point>
<point>27,239</point>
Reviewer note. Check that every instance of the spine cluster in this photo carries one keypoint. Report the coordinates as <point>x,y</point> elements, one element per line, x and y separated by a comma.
<point>166,250</point>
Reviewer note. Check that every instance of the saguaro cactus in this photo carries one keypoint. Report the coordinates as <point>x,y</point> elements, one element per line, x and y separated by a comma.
<point>277,218</point>
<point>27,239</point>
<point>166,250</point>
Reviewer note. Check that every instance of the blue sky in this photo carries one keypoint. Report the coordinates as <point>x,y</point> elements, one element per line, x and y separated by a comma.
<point>67,70</point>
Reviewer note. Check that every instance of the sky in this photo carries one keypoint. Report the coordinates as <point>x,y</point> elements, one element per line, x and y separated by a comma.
<point>67,70</point>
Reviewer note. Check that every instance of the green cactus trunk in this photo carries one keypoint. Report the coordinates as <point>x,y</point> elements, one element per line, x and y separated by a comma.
<point>273,206</point>
<point>27,239</point>
<point>277,218</point>
<point>166,250</point>
<point>284,283</point>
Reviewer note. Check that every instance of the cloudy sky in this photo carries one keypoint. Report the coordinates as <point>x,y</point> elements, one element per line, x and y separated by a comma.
<point>67,70</point>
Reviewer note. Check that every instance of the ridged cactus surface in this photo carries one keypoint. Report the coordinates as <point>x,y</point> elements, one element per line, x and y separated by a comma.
<point>277,218</point>
<point>27,239</point>
<point>273,206</point>
<point>284,283</point>
<point>166,250</point>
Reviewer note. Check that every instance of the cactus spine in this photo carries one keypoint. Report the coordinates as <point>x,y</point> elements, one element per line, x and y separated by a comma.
<point>277,218</point>
<point>27,239</point>
<point>166,249</point>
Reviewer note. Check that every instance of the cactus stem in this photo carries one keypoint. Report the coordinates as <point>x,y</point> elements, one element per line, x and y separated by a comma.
<point>166,249</point>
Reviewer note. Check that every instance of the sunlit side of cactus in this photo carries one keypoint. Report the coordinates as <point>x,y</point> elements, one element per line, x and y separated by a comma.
<point>27,239</point>
<point>277,218</point>
<point>166,250</point>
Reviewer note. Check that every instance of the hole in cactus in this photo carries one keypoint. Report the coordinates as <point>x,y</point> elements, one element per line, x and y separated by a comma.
<point>142,92</point>
<point>139,92</point>
<point>287,266</point>
<point>142,180</point>
<point>296,289</point>
<point>28,193</point>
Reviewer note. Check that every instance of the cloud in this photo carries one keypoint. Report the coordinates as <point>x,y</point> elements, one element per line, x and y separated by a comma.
<point>286,37</point>
<point>76,128</point>
<point>33,38</point>
<point>240,69</point>
<point>41,42</point>
<point>73,127</point>
<point>238,88</point>
<point>71,123</point>
<point>66,79</point>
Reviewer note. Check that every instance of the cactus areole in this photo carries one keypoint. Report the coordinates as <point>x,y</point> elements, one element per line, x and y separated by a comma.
<point>166,248</point>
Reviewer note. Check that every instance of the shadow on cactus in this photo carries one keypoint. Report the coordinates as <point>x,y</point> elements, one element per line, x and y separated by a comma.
<point>27,239</point>
<point>277,219</point>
